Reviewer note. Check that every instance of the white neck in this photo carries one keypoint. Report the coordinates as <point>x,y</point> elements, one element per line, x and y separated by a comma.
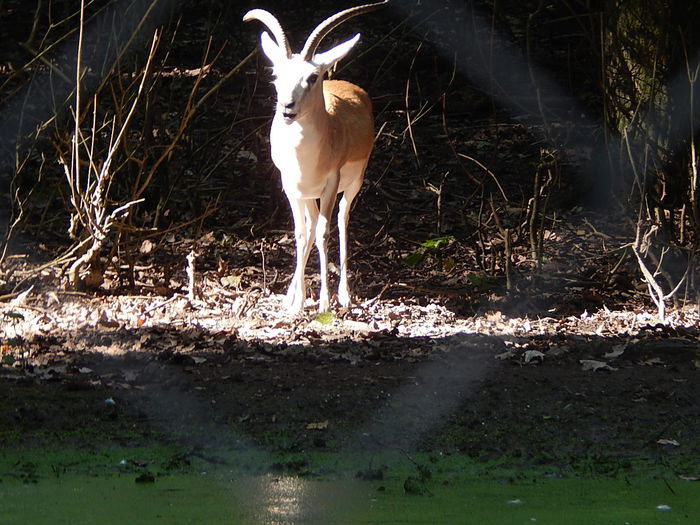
<point>301,147</point>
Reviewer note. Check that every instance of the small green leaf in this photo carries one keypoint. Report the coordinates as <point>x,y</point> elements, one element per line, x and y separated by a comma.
<point>437,243</point>
<point>325,318</point>
<point>414,259</point>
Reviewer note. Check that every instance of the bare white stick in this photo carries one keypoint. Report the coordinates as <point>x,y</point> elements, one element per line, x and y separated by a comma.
<point>190,276</point>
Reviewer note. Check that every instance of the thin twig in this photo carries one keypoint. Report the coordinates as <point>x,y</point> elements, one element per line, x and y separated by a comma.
<point>488,171</point>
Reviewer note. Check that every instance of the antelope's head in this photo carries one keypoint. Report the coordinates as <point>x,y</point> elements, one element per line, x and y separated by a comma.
<point>298,76</point>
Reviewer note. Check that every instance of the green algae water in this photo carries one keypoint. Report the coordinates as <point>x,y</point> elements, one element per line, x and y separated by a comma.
<point>225,496</point>
<point>272,500</point>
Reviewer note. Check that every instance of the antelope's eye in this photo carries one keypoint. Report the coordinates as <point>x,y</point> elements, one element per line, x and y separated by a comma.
<point>313,77</point>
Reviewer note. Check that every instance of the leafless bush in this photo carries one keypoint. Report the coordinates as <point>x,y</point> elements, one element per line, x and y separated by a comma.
<point>665,265</point>
<point>121,143</point>
<point>649,84</point>
<point>90,175</point>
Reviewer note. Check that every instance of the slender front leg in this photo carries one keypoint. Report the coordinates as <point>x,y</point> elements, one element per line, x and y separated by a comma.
<point>322,228</point>
<point>296,294</point>
<point>305,215</point>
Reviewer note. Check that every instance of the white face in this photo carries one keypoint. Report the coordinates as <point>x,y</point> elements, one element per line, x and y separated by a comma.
<point>294,79</point>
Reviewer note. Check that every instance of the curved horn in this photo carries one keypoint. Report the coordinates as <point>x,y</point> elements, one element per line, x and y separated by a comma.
<point>272,24</point>
<point>331,23</point>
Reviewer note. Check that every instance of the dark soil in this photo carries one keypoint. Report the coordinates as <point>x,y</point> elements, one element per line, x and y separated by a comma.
<point>562,363</point>
<point>584,404</point>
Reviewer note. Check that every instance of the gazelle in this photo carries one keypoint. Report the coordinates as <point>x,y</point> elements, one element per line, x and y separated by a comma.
<point>321,138</point>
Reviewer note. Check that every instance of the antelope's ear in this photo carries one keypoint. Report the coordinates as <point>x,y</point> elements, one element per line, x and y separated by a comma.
<point>271,49</point>
<point>334,54</point>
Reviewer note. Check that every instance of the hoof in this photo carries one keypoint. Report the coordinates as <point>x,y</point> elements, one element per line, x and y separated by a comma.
<point>294,301</point>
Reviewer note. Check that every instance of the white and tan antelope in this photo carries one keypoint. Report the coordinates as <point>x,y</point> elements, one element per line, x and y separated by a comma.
<point>321,138</point>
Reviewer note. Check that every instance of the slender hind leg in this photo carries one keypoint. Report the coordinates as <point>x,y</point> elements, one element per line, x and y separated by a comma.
<point>328,197</point>
<point>343,217</point>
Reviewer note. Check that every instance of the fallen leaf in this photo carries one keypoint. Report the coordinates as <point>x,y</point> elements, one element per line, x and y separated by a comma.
<point>592,364</point>
<point>616,351</point>
<point>232,281</point>
<point>146,246</point>
<point>22,297</point>
<point>357,326</point>
<point>531,355</point>
<point>326,318</point>
<point>321,425</point>
<point>246,155</point>
<point>671,442</point>
<point>558,350</point>
<point>449,264</point>
<point>206,239</point>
